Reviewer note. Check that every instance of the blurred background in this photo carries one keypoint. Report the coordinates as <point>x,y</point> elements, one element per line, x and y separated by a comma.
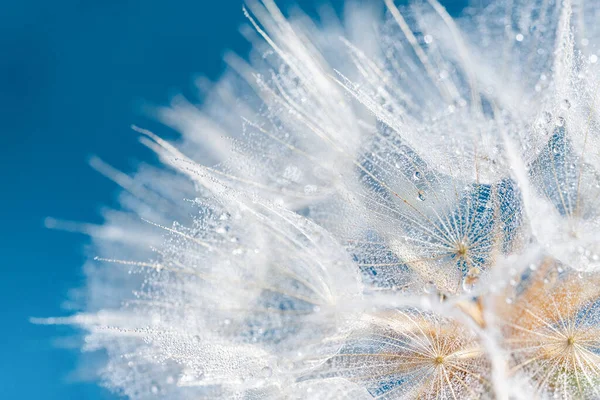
<point>74,75</point>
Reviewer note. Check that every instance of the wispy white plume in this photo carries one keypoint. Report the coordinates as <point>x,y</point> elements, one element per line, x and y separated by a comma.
<point>396,205</point>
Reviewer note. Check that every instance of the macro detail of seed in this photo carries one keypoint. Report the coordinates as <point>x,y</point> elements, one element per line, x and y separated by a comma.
<point>391,203</point>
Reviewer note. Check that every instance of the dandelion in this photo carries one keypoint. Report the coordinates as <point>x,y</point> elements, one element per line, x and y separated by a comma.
<point>399,205</point>
<point>551,331</point>
<point>408,353</point>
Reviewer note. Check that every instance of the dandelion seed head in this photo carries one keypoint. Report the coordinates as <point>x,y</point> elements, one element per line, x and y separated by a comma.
<point>405,205</point>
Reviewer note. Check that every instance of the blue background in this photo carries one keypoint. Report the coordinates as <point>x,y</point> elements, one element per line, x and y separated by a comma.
<point>73,74</point>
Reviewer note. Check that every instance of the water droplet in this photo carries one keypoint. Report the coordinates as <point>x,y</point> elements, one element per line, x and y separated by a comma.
<point>469,283</point>
<point>428,39</point>
<point>267,372</point>
<point>560,121</point>
<point>509,300</point>
<point>519,37</point>
<point>532,267</point>
<point>417,176</point>
<point>471,279</point>
<point>555,149</point>
<point>429,287</point>
<point>421,195</point>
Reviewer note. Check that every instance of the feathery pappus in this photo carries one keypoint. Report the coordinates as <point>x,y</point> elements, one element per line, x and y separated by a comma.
<point>399,204</point>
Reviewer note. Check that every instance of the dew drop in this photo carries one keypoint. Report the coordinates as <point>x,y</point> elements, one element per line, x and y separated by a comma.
<point>417,176</point>
<point>532,267</point>
<point>267,372</point>
<point>519,37</point>
<point>555,149</point>
<point>471,279</point>
<point>469,283</point>
<point>421,195</point>
<point>429,287</point>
